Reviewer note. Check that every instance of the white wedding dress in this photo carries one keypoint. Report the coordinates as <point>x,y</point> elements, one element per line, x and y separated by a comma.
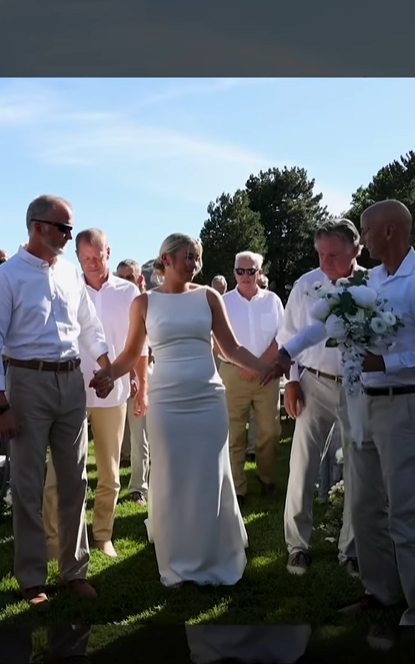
<point>193,514</point>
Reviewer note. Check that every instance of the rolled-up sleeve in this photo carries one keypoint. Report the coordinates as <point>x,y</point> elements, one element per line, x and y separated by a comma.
<point>92,334</point>
<point>6,309</point>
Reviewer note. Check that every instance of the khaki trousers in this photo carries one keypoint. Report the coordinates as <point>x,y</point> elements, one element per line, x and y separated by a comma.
<point>383,501</point>
<point>241,395</point>
<point>50,411</point>
<point>107,426</point>
<point>135,446</point>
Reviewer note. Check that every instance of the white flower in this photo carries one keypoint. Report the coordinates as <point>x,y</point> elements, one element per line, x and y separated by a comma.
<point>363,296</point>
<point>336,329</point>
<point>318,290</point>
<point>358,317</point>
<point>334,295</point>
<point>378,325</point>
<point>389,318</point>
<point>320,310</point>
<point>341,283</point>
<point>339,456</point>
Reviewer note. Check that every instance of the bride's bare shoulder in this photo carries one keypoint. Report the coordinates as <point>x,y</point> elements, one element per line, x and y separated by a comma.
<point>139,304</point>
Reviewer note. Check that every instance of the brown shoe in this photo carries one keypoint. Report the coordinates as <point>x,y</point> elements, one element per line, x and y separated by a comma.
<point>365,603</point>
<point>36,596</point>
<point>139,498</point>
<point>107,548</point>
<point>80,587</point>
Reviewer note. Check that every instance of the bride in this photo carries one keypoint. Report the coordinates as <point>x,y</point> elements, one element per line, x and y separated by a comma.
<point>194,518</point>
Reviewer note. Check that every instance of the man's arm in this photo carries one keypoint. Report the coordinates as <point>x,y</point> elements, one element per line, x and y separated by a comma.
<point>6,311</point>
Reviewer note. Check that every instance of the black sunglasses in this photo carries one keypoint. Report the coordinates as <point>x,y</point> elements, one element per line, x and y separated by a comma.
<point>63,228</point>
<point>240,271</point>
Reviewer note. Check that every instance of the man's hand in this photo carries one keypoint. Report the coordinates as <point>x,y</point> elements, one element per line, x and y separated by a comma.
<point>294,401</point>
<point>8,425</point>
<point>373,362</point>
<point>140,403</point>
<point>102,382</point>
<point>247,374</point>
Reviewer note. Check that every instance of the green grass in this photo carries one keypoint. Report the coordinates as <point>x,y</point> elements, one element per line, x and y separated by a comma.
<point>131,595</point>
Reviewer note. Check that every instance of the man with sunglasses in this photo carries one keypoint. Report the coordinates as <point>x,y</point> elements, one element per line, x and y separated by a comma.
<point>44,313</point>
<point>256,316</point>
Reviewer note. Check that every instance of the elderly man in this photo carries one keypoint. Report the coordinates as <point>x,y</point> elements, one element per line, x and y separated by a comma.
<point>383,500</point>
<point>256,316</point>
<point>220,284</point>
<point>3,256</point>
<point>315,398</point>
<point>112,298</point>
<point>45,314</point>
<point>134,448</point>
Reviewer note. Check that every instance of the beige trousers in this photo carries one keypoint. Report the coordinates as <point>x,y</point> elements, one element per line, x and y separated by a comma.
<point>107,426</point>
<point>383,501</point>
<point>50,411</point>
<point>241,395</point>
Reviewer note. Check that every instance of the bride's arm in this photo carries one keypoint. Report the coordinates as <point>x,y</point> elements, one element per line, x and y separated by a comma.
<point>228,343</point>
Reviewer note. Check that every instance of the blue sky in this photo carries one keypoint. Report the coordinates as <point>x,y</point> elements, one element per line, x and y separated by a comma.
<point>141,158</point>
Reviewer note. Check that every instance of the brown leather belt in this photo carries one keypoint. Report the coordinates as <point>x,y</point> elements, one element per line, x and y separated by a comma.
<point>321,374</point>
<point>38,365</point>
<point>389,391</point>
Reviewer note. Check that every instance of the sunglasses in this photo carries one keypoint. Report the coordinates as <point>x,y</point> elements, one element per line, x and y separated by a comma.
<point>63,228</point>
<point>240,271</point>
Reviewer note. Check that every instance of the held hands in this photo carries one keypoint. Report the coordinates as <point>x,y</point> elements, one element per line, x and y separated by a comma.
<point>102,383</point>
<point>275,368</point>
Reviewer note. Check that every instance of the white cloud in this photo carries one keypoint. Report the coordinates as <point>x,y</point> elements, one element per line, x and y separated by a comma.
<point>336,201</point>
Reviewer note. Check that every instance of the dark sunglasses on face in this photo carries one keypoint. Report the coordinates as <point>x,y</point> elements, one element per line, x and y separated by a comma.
<point>240,271</point>
<point>63,228</point>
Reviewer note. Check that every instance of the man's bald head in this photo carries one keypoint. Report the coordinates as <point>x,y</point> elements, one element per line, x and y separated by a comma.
<point>386,226</point>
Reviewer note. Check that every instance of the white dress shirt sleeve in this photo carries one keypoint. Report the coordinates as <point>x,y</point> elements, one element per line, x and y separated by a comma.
<point>6,309</point>
<point>289,328</point>
<point>92,335</point>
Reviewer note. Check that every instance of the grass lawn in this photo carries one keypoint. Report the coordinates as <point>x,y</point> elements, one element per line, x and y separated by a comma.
<point>131,596</point>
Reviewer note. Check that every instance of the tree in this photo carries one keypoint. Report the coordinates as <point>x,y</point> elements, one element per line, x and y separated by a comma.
<point>232,227</point>
<point>396,180</point>
<point>289,212</point>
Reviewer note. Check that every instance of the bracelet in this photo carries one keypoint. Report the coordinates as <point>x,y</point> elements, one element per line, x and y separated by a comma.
<point>4,408</point>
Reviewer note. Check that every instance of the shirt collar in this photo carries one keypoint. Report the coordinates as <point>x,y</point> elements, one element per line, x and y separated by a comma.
<point>33,260</point>
<point>405,269</point>
<point>260,294</point>
<point>109,282</point>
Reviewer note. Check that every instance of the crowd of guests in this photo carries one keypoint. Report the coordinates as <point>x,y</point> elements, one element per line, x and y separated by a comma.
<point>174,375</point>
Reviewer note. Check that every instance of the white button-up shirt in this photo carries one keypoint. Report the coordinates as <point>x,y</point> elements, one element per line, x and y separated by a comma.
<point>298,316</point>
<point>256,322</point>
<point>45,312</point>
<point>399,291</point>
<point>112,303</point>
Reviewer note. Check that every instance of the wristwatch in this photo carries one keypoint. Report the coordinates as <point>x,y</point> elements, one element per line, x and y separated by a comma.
<point>4,408</point>
<point>285,352</point>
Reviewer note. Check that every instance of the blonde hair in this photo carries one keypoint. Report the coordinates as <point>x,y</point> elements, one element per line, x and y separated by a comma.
<point>171,245</point>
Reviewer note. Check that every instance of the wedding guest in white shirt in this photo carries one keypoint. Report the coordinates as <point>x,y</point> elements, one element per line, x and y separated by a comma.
<point>255,315</point>
<point>383,501</point>
<point>112,298</point>
<point>315,398</point>
<point>134,448</point>
<point>45,314</point>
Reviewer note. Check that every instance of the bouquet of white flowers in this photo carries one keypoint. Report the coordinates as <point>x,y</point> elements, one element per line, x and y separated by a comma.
<point>356,322</point>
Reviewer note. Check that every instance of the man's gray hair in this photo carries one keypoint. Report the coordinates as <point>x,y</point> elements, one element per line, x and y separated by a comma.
<point>219,278</point>
<point>131,263</point>
<point>42,205</point>
<point>257,259</point>
<point>342,228</point>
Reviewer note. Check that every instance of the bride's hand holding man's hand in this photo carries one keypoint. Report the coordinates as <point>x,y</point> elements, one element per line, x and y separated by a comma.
<point>275,368</point>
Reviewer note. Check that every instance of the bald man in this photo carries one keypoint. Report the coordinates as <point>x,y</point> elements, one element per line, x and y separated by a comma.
<point>383,500</point>
<point>3,256</point>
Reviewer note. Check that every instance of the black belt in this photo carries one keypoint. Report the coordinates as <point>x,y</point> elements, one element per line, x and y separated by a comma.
<point>321,374</point>
<point>389,391</point>
<point>38,365</point>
